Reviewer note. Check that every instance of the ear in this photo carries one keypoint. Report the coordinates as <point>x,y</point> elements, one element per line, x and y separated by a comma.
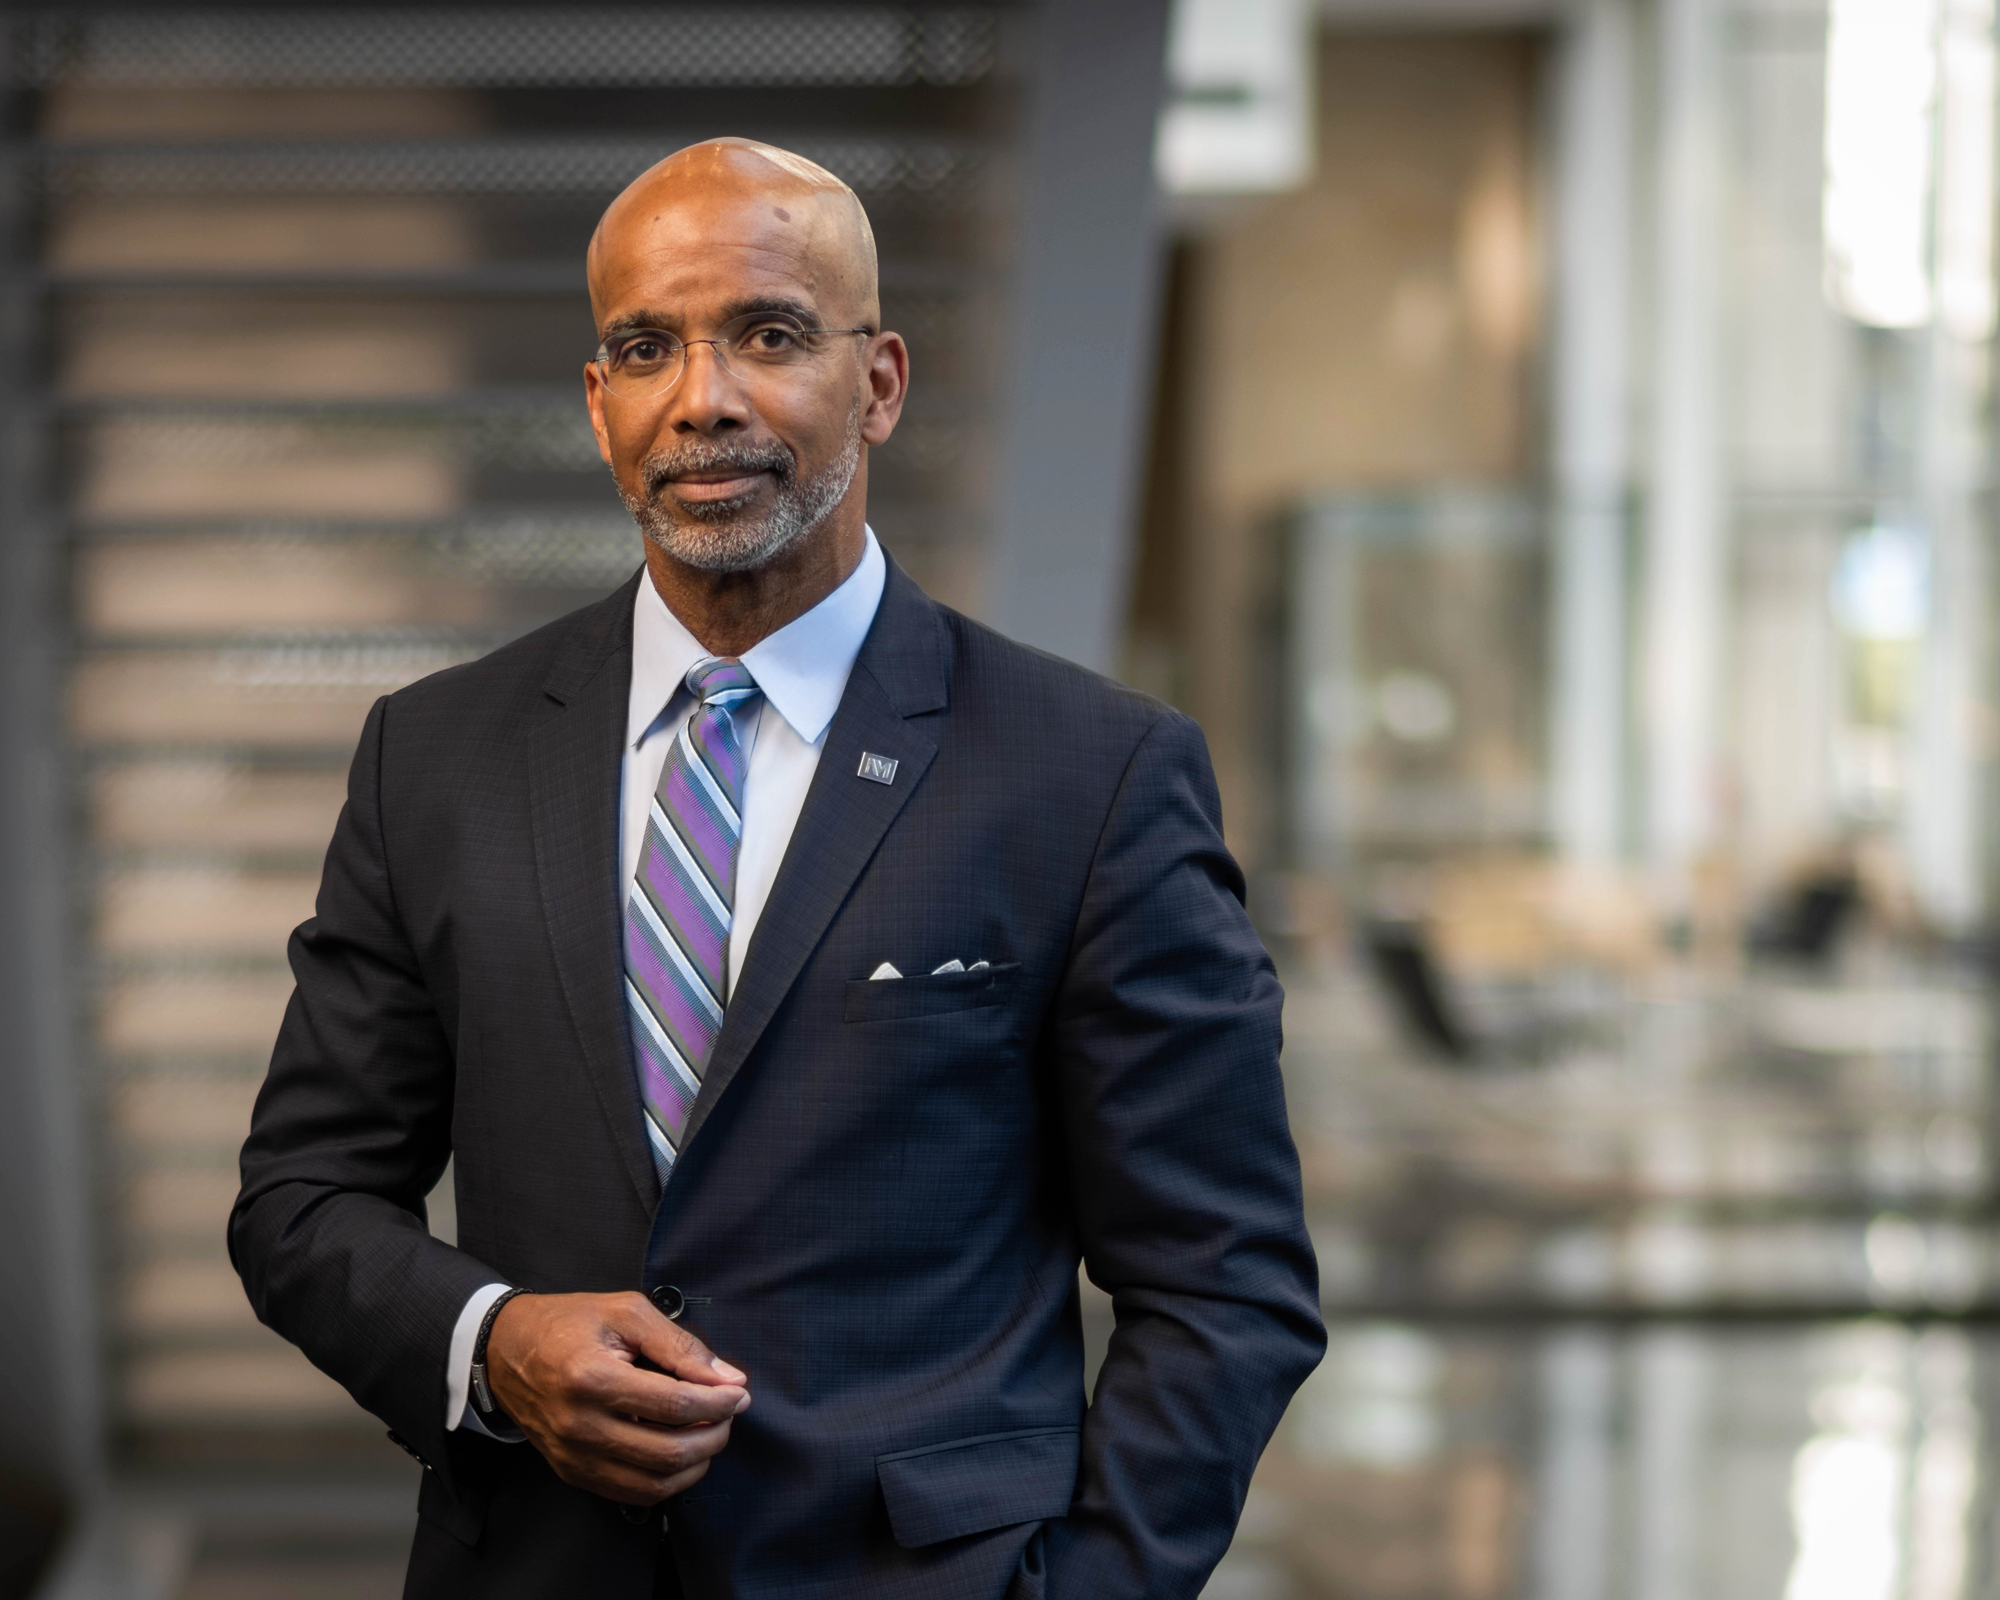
<point>593,395</point>
<point>888,366</point>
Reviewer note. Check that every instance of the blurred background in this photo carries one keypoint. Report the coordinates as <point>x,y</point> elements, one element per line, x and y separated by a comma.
<point>1547,443</point>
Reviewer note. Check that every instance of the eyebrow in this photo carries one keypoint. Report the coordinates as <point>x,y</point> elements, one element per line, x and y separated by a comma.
<point>664,321</point>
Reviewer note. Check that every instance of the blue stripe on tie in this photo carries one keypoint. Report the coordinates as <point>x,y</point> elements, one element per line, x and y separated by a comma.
<point>690,868</point>
<point>669,948</point>
<point>665,989</point>
<point>701,906</point>
<point>720,747</point>
<point>664,1153</point>
<point>725,808</point>
<point>669,1051</point>
<point>660,1006</point>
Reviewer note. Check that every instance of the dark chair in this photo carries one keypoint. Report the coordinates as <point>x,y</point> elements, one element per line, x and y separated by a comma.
<point>1806,924</point>
<point>1401,956</point>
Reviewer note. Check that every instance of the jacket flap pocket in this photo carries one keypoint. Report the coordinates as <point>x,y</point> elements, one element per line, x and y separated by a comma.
<point>884,999</point>
<point>992,1480</point>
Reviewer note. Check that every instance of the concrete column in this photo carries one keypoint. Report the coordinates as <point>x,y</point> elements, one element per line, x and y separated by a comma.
<point>1941,826</point>
<point>1590,466</point>
<point>50,1405</point>
<point>1088,283</point>
<point>1940,823</point>
<point>1685,569</point>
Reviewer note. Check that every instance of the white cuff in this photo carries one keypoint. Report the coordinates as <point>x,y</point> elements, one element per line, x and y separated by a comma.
<point>458,1370</point>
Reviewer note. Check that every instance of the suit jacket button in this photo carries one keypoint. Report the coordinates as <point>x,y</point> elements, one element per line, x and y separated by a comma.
<point>670,1301</point>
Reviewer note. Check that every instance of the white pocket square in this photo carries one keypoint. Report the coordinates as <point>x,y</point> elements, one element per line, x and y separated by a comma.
<point>888,970</point>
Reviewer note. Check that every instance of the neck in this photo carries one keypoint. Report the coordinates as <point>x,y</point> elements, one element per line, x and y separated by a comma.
<point>728,612</point>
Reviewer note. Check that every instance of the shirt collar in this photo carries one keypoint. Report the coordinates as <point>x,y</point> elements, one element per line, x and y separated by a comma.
<point>802,668</point>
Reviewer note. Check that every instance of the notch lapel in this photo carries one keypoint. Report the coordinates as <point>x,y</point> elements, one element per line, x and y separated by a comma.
<point>574,771</point>
<point>900,673</point>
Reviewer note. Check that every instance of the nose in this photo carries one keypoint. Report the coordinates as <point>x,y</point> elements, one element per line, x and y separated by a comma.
<point>708,398</point>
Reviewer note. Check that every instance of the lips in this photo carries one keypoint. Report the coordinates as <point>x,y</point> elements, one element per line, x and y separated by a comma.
<point>707,487</point>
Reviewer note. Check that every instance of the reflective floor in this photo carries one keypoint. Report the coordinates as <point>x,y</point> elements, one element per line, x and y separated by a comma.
<point>1680,1288</point>
<point>1835,1461</point>
<point>307,1564</point>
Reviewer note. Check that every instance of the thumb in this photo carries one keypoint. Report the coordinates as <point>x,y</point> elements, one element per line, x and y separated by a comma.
<point>673,1349</point>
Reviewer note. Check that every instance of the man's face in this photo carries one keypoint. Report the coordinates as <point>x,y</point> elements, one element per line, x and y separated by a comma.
<point>737,460</point>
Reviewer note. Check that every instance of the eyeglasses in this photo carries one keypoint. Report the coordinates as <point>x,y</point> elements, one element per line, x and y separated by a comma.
<point>647,361</point>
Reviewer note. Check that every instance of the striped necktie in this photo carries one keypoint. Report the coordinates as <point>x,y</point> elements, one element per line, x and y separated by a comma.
<point>677,917</point>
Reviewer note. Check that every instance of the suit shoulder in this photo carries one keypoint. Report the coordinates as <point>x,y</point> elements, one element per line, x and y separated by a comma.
<point>1053,722</point>
<point>988,664</point>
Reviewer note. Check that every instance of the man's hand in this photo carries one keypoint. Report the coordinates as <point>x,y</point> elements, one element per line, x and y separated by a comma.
<point>565,1368</point>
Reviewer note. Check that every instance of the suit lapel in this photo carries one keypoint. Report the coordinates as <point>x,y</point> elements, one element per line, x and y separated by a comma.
<point>574,767</point>
<point>900,673</point>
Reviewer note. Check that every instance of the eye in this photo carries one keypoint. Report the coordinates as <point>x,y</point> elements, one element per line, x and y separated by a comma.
<point>772,339</point>
<point>641,352</point>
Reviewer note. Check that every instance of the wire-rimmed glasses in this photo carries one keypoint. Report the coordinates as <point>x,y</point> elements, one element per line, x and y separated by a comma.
<point>643,362</point>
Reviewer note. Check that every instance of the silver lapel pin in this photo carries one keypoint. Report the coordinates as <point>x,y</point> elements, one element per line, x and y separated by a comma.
<point>877,769</point>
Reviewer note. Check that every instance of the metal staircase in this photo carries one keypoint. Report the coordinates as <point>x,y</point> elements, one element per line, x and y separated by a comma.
<point>293,335</point>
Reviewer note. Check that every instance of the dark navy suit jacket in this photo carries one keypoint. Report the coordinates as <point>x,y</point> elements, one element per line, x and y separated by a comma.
<point>885,1186</point>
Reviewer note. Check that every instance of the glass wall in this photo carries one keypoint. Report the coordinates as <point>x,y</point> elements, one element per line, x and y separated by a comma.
<point>1572,522</point>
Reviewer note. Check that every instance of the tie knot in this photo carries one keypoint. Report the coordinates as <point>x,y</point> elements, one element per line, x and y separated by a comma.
<point>720,681</point>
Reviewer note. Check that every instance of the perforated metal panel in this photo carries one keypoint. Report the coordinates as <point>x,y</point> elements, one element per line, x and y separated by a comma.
<point>942,173</point>
<point>383,47</point>
<point>314,313</point>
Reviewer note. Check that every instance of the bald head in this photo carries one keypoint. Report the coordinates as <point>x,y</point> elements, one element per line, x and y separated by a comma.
<point>774,207</point>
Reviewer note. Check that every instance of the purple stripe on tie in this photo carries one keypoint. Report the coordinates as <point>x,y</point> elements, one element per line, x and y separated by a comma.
<point>707,837</point>
<point>719,811</point>
<point>679,1013</point>
<point>681,909</point>
<point>666,1096</point>
<point>717,742</point>
<point>719,675</point>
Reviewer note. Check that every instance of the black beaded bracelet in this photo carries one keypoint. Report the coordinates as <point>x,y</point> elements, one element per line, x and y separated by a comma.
<point>482,1396</point>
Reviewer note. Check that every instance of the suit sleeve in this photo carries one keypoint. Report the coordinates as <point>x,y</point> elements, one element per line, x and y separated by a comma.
<point>351,1130</point>
<point>1185,1184</point>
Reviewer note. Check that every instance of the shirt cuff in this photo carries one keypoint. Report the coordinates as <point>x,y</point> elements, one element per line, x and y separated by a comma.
<point>458,1371</point>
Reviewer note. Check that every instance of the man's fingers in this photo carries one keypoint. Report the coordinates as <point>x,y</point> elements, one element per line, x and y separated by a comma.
<point>654,1452</point>
<point>634,1462</point>
<point>653,1397</point>
<point>628,1485</point>
<point>669,1346</point>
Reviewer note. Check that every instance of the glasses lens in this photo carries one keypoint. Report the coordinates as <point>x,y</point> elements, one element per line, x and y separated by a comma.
<point>768,339</point>
<point>648,361</point>
<point>637,363</point>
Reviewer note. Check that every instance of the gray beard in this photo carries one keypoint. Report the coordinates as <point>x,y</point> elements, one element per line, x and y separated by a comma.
<point>721,538</point>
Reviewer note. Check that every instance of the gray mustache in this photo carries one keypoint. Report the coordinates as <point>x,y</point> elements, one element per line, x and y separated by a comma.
<point>702,455</point>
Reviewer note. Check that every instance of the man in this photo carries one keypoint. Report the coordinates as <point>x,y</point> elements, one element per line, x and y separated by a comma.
<point>801,973</point>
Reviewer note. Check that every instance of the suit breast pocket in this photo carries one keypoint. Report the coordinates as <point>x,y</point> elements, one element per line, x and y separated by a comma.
<point>936,994</point>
